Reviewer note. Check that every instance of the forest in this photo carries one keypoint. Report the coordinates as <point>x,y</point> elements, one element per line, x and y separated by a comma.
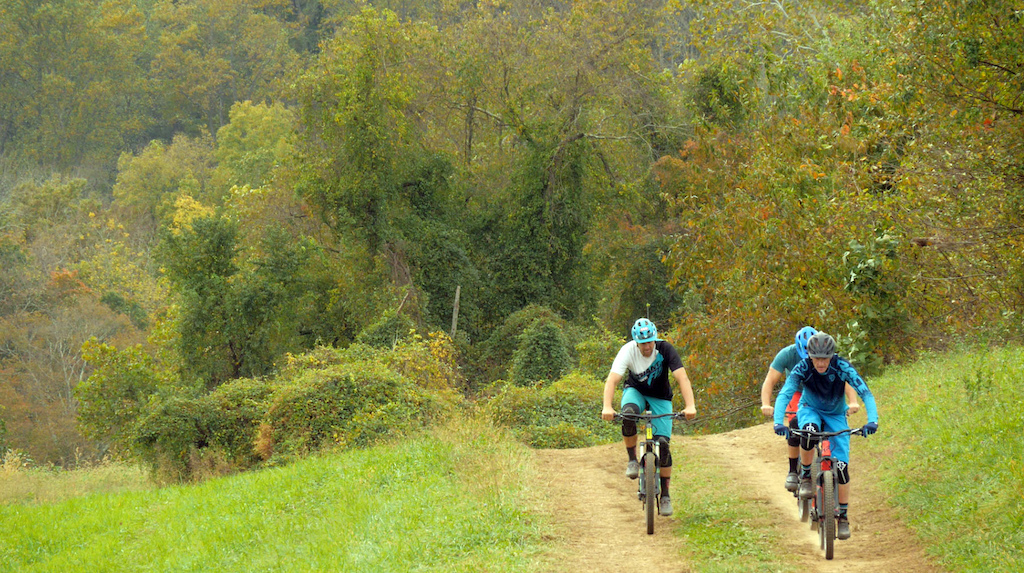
<point>434,199</point>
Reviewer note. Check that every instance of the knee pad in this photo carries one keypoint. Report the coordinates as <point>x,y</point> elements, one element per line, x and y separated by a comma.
<point>843,471</point>
<point>809,443</point>
<point>793,441</point>
<point>629,426</point>
<point>666,454</point>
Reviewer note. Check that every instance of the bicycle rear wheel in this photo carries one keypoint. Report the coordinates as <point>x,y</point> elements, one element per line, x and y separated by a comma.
<point>650,490</point>
<point>827,528</point>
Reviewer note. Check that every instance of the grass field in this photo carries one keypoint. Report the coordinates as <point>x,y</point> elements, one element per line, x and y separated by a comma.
<point>435,503</point>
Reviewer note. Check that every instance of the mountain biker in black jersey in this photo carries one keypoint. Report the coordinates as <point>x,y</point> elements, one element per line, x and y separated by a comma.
<point>645,363</point>
<point>824,377</point>
<point>782,365</point>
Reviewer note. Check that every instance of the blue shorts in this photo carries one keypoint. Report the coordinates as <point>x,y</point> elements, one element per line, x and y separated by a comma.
<point>828,423</point>
<point>661,426</point>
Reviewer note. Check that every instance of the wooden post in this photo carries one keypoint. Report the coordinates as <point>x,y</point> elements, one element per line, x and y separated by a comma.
<point>455,310</point>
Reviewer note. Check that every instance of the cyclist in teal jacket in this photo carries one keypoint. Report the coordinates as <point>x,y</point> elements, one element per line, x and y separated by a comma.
<point>783,364</point>
<point>824,377</point>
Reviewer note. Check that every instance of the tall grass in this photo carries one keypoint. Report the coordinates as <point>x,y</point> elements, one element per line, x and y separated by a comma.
<point>449,501</point>
<point>951,437</point>
<point>39,485</point>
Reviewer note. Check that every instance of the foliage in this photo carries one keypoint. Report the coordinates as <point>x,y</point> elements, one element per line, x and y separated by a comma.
<point>116,393</point>
<point>542,354</point>
<point>347,405</point>
<point>596,349</point>
<point>560,414</point>
<point>496,354</point>
<point>386,332</point>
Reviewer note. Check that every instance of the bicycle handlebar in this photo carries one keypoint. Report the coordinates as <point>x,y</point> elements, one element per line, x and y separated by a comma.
<point>813,434</point>
<point>646,417</point>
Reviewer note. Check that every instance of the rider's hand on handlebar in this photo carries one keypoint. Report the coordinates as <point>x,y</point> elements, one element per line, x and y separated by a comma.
<point>690,412</point>
<point>870,428</point>
<point>607,413</point>
<point>782,430</point>
<point>768,410</point>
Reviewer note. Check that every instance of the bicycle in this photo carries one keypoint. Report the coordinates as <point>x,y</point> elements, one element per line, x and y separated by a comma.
<point>820,509</point>
<point>648,454</point>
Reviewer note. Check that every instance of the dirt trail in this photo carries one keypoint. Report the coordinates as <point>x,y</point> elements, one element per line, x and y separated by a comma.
<point>600,522</point>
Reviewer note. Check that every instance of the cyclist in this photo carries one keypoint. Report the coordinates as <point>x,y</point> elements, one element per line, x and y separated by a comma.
<point>824,376</point>
<point>646,362</point>
<point>783,363</point>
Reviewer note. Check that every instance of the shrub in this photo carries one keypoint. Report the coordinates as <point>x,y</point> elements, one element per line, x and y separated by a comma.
<point>349,405</point>
<point>496,354</point>
<point>542,354</point>
<point>387,331</point>
<point>564,414</point>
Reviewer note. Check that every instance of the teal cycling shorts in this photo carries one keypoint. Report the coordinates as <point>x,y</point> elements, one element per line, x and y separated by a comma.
<point>662,426</point>
<point>828,423</point>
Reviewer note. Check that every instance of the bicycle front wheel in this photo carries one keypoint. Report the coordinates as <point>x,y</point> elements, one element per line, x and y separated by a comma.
<point>827,529</point>
<point>650,490</point>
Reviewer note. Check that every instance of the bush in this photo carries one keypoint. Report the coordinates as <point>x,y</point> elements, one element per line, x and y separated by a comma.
<point>169,434</point>
<point>387,331</point>
<point>496,354</point>
<point>542,354</point>
<point>564,414</point>
<point>347,405</point>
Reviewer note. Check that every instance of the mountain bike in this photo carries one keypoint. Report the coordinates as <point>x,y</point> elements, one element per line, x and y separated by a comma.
<point>648,454</point>
<point>821,507</point>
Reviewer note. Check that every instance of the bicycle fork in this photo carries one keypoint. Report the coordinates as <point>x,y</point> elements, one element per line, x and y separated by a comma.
<point>643,447</point>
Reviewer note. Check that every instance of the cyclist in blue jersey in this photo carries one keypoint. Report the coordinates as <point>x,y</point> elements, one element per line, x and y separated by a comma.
<point>782,365</point>
<point>824,377</point>
<point>645,363</point>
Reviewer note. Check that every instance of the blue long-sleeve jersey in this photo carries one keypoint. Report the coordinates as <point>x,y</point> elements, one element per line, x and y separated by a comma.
<point>824,392</point>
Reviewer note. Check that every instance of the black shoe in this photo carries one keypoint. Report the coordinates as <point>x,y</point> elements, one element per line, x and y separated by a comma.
<point>792,482</point>
<point>843,531</point>
<point>806,490</point>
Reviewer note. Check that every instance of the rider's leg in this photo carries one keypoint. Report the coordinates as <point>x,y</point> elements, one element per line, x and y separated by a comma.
<point>632,403</point>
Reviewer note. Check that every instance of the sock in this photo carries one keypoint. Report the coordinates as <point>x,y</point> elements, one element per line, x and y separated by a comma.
<point>631,452</point>
<point>842,509</point>
<point>664,486</point>
<point>805,471</point>
<point>792,465</point>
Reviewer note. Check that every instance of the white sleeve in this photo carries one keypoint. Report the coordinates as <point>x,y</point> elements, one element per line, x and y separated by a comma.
<point>621,363</point>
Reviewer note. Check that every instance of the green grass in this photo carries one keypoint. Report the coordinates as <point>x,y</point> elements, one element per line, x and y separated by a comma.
<point>951,437</point>
<point>721,532</point>
<point>435,503</point>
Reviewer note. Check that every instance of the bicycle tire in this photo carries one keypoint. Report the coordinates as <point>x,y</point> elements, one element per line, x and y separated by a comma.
<point>804,505</point>
<point>828,514</point>
<point>650,490</point>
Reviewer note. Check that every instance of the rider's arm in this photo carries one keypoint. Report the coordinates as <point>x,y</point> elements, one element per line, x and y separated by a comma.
<point>852,407</point>
<point>786,394</point>
<point>690,407</point>
<point>770,380</point>
<point>607,412</point>
<point>854,380</point>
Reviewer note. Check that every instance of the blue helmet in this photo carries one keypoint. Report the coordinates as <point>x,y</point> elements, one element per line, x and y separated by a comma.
<point>644,331</point>
<point>802,336</point>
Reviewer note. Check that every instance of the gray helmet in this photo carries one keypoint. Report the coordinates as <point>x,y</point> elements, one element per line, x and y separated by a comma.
<point>821,345</point>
